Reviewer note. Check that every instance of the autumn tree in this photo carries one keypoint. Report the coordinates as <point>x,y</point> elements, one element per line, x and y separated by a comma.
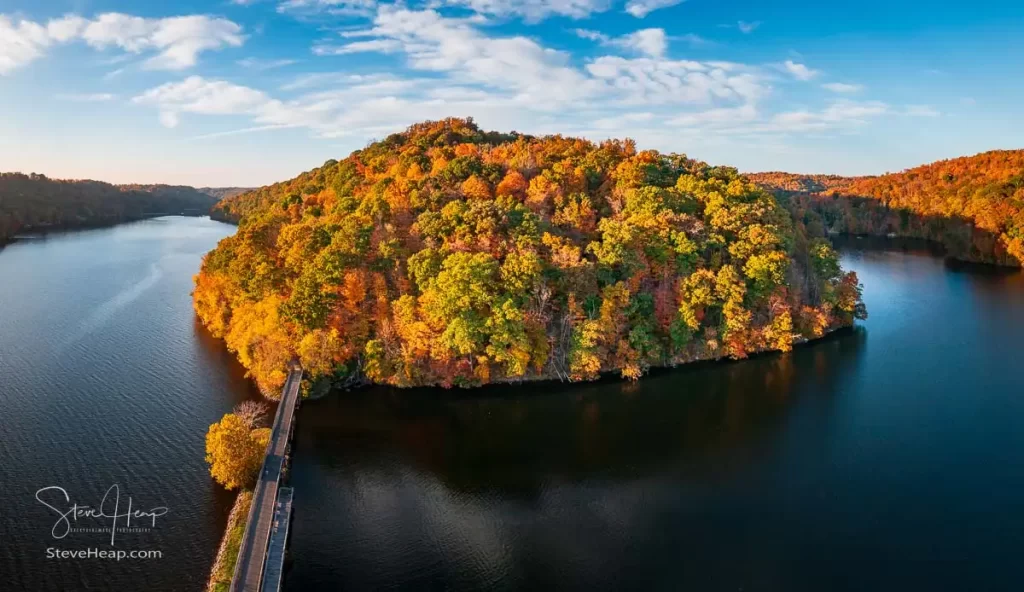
<point>234,451</point>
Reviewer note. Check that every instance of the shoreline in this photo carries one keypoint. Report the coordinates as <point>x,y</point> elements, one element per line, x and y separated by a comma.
<point>227,552</point>
<point>548,380</point>
<point>42,232</point>
<point>936,247</point>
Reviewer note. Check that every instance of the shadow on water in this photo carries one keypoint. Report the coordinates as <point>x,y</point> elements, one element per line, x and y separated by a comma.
<point>708,419</point>
<point>214,351</point>
<point>922,247</point>
<point>556,486</point>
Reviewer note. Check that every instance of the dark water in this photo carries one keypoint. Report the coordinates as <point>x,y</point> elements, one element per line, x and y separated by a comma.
<point>890,457</point>
<point>106,378</point>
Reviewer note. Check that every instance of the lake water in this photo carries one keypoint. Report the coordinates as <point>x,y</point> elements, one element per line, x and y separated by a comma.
<point>106,378</point>
<point>889,457</point>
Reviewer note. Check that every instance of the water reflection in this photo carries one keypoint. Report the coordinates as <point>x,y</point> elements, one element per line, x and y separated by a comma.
<point>539,485</point>
<point>883,457</point>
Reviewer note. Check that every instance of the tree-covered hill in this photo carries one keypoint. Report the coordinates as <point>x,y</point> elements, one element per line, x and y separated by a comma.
<point>224,192</point>
<point>35,202</point>
<point>793,182</point>
<point>452,256</point>
<point>974,206</point>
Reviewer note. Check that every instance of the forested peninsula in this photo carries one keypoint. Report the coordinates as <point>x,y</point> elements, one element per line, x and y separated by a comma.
<point>446,255</point>
<point>973,206</point>
<point>37,203</point>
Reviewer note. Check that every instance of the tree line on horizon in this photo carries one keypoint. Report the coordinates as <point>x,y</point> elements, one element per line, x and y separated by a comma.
<point>32,202</point>
<point>447,255</point>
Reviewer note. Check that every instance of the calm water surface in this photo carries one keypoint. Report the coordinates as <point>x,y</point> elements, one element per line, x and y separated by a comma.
<point>106,378</point>
<point>890,457</point>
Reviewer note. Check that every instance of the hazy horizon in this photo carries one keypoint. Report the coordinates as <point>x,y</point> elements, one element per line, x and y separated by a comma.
<point>312,166</point>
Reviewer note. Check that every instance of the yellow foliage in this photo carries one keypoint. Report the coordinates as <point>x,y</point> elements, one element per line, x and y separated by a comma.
<point>476,188</point>
<point>234,452</point>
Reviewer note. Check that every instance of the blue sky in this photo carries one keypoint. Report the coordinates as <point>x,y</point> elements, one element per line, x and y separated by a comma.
<point>255,91</point>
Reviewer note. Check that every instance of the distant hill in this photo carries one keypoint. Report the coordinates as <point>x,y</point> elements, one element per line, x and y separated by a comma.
<point>796,182</point>
<point>973,205</point>
<point>224,192</point>
<point>36,202</point>
<point>232,208</point>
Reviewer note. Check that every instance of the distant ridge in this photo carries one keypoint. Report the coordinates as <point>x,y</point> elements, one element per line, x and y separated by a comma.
<point>32,202</point>
<point>224,192</point>
<point>972,205</point>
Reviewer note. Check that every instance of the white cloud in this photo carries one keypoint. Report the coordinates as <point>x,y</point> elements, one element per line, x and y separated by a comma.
<point>648,80</point>
<point>454,46</point>
<point>66,28</point>
<point>842,87</point>
<point>534,10</point>
<point>261,65</point>
<point>320,79</point>
<point>922,111</point>
<point>641,8</point>
<point>373,45</point>
<point>363,8</point>
<point>693,40</point>
<point>21,43</point>
<point>87,97</point>
<point>197,95</point>
<point>652,42</point>
<point>747,28</point>
<point>799,71</point>
<point>459,67</point>
<point>592,35</point>
<point>177,41</point>
<point>649,41</point>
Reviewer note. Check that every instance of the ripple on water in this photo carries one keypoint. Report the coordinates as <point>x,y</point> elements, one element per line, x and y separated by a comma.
<point>107,379</point>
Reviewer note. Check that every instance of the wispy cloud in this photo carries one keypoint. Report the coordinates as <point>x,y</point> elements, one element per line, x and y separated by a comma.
<point>87,97</point>
<point>747,28</point>
<point>238,132</point>
<point>533,10</point>
<point>363,8</point>
<point>373,45</point>
<point>459,66</point>
<point>842,87</point>
<point>641,8</point>
<point>799,71</point>
<point>652,42</point>
<point>261,64</point>
<point>512,81</point>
